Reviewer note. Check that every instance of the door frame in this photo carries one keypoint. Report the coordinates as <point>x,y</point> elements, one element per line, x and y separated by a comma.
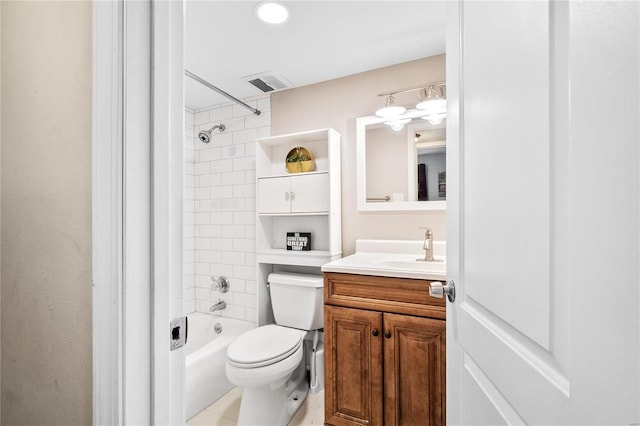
<point>138,110</point>
<point>107,280</point>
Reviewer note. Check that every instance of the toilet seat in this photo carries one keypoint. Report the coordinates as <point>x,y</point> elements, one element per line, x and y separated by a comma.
<point>264,346</point>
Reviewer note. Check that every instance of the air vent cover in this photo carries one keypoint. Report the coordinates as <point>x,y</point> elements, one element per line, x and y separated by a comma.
<point>261,84</point>
<point>268,81</point>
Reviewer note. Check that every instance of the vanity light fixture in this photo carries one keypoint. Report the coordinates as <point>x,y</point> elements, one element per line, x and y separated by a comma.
<point>390,109</point>
<point>272,12</point>
<point>433,103</point>
<point>431,100</point>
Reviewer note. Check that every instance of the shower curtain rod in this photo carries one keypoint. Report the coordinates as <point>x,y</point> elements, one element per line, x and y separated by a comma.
<point>220,91</point>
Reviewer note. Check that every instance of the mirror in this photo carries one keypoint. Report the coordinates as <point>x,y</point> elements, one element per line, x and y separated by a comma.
<point>401,169</point>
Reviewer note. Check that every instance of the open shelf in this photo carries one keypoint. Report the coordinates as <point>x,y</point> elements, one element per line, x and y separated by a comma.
<point>301,258</point>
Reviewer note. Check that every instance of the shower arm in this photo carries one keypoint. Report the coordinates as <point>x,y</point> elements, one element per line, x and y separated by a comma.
<point>220,91</point>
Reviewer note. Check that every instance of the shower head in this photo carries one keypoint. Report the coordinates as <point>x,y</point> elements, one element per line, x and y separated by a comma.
<point>205,135</point>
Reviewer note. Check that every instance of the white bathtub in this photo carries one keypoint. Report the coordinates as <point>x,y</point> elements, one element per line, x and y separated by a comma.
<point>205,358</point>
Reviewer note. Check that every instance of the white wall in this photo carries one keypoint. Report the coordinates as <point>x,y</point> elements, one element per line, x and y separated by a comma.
<point>220,217</point>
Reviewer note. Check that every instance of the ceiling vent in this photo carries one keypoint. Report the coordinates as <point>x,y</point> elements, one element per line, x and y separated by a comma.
<point>268,81</point>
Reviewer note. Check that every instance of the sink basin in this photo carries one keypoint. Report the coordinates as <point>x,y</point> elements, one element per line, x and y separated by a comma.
<point>392,258</point>
<point>411,263</point>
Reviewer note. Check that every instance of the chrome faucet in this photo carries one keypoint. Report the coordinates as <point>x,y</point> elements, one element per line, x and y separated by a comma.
<point>220,305</point>
<point>427,245</point>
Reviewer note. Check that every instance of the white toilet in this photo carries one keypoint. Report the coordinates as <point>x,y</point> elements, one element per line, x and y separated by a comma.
<point>269,362</point>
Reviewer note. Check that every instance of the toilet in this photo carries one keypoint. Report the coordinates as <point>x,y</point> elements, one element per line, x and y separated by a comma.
<point>270,362</point>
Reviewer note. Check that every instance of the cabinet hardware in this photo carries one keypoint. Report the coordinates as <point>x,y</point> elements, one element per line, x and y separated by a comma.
<point>286,196</point>
<point>387,334</point>
<point>375,332</point>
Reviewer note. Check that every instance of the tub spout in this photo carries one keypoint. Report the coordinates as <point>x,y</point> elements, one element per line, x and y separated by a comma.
<point>218,306</point>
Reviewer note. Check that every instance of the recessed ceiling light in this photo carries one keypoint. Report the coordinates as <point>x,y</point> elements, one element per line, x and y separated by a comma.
<point>272,12</point>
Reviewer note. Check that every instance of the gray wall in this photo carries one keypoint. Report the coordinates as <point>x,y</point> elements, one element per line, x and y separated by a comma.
<point>46,105</point>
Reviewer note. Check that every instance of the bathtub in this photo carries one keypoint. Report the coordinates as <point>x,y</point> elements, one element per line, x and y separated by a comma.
<point>205,358</point>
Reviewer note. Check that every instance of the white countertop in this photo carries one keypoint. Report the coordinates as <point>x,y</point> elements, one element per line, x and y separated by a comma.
<point>392,258</point>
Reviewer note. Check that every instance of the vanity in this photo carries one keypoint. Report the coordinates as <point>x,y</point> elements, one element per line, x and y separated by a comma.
<point>385,347</point>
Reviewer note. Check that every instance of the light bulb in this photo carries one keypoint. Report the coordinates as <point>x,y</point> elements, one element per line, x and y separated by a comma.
<point>398,124</point>
<point>272,12</point>
<point>436,118</point>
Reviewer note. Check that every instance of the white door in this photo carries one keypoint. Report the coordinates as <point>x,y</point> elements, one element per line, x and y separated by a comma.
<point>274,195</point>
<point>310,193</point>
<point>543,220</point>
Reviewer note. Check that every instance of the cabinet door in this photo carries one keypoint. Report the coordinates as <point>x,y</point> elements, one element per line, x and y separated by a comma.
<point>310,193</point>
<point>414,377</point>
<point>353,366</point>
<point>274,195</point>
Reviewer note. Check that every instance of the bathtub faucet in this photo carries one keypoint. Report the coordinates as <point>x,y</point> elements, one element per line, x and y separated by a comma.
<point>220,305</point>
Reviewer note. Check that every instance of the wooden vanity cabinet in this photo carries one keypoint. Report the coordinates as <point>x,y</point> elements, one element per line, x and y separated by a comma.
<point>383,365</point>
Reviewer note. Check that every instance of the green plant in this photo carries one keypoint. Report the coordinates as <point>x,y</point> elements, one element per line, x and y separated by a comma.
<point>298,157</point>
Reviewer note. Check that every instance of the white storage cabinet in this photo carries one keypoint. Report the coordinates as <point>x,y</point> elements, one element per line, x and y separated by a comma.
<point>296,202</point>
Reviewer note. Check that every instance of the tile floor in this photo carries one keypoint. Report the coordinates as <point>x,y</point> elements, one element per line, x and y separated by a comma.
<point>224,412</point>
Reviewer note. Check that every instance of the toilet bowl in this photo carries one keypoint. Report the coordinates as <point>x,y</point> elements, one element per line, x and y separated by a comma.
<point>266,355</point>
<point>269,362</point>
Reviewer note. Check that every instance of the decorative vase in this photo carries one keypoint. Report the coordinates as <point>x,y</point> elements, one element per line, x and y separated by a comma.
<point>299,160</point>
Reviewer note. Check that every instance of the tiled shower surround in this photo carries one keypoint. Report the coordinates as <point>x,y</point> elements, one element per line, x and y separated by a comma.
<point>219,207</point>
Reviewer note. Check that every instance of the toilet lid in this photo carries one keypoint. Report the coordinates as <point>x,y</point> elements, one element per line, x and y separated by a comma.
<point>264,346</point>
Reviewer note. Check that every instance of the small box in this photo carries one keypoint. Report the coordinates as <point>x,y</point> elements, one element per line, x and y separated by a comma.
<point>299,241</point>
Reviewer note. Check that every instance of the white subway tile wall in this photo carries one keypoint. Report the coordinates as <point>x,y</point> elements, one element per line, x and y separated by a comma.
<point>220,207</point>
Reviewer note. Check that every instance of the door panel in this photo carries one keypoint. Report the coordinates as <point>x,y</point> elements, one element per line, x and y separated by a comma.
<point>353,371</point>
<point>274,195</point>
<point>414,357</point>
<point>506,212</point>
<point>310,193</point>
<point>503,138</point>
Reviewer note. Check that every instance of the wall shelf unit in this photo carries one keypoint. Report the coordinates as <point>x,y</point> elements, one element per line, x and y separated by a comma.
<point>296,202</point>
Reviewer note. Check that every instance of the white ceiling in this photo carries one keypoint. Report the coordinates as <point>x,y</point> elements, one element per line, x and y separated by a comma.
<point>320,41</point>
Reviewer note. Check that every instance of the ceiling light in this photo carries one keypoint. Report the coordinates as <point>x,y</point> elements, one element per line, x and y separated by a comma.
<point>272,12</point>
<point>390,110</point>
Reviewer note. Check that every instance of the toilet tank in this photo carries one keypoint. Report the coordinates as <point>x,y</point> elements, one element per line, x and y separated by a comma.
<point>297,300</point>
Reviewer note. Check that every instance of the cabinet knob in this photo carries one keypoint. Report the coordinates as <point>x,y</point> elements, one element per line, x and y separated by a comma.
<point>286,196</point>
<point>387,334</point>
<point>293,196</point>
<point>375,332</point>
